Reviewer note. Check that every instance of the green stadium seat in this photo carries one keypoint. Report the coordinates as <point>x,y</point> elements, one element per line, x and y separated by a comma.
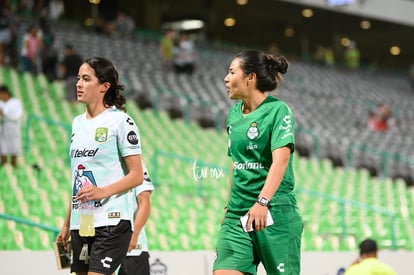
<point>19,239</point>
<point>8,243</point>
<point>184,241</point>
<point>31,238</point>
<point>4,233</point>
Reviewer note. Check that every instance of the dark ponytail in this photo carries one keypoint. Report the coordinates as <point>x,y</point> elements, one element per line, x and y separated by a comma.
<point>266,67</point>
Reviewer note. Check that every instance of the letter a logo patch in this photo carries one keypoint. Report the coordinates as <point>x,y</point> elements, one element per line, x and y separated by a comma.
<point>101,134</point>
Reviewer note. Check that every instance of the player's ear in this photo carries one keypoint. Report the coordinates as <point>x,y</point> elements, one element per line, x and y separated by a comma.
<point>105,87</point>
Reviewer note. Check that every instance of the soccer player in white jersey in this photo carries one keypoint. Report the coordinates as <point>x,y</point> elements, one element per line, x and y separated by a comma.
<point>137,259</point>
<point>105,148</point>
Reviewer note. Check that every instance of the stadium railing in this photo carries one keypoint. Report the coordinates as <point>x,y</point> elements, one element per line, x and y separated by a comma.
<point>384,157</point>
<point>343,203</point>
<point>32,118</point>
<point>188,102</point>
<point>315,140</point>
<point>343,229</point>
<point>48,229</point>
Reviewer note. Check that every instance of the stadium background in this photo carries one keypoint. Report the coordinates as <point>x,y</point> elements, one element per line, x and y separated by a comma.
<point>342,200</point>
<point>264,22</point>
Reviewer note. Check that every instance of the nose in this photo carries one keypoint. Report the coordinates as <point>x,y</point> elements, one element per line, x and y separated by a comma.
<point>225,79</point>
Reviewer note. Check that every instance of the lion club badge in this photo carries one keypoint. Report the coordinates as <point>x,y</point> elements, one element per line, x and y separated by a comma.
<point>253,131</point>
<point>101,134</point>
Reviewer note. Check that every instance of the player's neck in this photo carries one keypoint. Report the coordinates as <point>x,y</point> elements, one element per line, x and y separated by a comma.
<point>93,111</point>
<point>250,104</point>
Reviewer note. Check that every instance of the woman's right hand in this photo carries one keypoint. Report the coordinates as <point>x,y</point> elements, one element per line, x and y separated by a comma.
<point>63,236</point>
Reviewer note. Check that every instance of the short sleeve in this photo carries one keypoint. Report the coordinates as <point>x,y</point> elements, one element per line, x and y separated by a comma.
<point>283,132</point>
<point>129,141</point>
<point>146,184</point>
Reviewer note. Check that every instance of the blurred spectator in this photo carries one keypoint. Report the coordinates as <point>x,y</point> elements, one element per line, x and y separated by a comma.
<point>328,56</point>
<point>24,7</point>
<point>124,25</point>
<point>274,49</point>
<point>49,55</point>
<point>11,111</point>
<point>166,48</point>
<point>184,55</point>
<point>352,56</point>
<point>31,50</point>
<point>319,54</point>
<point>69,68</point>
<point>39,6</point>
<point>108,11</point>
<point>381,119</point>
<point>324,55</point>
<point>368,262</point>
<point>5,34</point>
<point>55,9</point>
<point>28,8</point>
<point>12,50</point>
<point>410,75</point>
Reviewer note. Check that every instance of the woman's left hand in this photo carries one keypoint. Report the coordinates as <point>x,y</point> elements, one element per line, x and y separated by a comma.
<point>257,217</point>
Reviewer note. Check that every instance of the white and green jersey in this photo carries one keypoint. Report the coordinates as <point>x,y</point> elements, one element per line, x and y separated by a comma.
<point>252,138</point>
<point>142,238</point>
<point>97,149</point>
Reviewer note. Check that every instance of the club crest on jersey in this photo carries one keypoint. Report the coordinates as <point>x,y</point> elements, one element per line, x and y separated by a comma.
<point>253,131</point>
<point>101,134</point>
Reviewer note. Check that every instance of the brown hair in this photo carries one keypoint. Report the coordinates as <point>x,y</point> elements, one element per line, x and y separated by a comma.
<point>105,71</point>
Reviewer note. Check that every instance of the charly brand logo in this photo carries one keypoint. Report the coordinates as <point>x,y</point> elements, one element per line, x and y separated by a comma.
<point>288,123</point>
<point>106,262</point>
<point>281,267</point>
<point>130,121</point>
<point>205,172</point>
<point>287,127</point>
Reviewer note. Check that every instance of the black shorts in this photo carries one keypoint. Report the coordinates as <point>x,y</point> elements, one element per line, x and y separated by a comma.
<point>102,253</point>
<point>135,265</point>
